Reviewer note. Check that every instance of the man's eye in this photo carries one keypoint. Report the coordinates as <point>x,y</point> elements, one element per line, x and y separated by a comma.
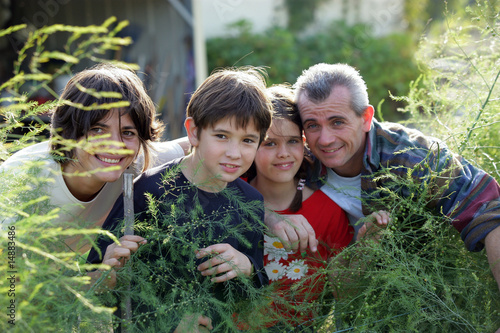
<point>311,126</point>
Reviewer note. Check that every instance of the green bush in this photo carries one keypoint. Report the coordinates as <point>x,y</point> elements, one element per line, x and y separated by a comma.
<point>386,63</point>
<point>419,278</point>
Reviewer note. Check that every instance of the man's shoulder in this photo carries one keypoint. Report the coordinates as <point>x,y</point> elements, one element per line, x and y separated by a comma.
<point>398,135</point>
<point>394,143</point>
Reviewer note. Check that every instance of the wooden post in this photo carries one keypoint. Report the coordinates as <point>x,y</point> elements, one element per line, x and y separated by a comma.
<point>128,205</point>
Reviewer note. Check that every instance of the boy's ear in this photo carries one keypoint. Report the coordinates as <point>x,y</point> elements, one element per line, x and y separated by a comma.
<point>192,131</point>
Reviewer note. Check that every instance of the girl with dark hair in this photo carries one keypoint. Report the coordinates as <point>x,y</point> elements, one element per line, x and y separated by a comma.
<point>104,124</point>
<point>279,172</point>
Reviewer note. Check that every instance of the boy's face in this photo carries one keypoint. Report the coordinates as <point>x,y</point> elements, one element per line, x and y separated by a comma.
<point>224,152</point>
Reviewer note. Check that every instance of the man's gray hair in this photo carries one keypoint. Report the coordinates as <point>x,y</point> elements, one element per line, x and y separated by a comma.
<point>318,81</point>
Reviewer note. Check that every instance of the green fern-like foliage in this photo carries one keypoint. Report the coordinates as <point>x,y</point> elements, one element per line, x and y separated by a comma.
<point>418,278</point>
<point>48,289</point>
<point>162,280</point>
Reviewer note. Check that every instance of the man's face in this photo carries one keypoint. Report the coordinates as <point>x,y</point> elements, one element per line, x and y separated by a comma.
<point>335,133</point>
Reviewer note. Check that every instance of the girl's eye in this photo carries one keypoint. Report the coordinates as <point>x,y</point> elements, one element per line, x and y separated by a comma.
<point>269,144</point>
<point>97,130</point>
<point>248,140</point>
<point>293,141</point>
<point>220,136</point>
<point>128,133</point>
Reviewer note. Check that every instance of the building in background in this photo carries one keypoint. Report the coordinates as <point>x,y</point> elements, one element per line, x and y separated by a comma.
<point>169,35</point>
<point>165,45</point>
<point>385,16</point>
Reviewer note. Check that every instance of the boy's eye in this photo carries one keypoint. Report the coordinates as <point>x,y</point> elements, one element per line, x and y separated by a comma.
<point>293,141</point>
<point>248,140</point>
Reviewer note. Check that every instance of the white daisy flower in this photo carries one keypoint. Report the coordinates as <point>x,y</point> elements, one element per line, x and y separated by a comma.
<point>274,249</point>
<point>296,270</point>
<point>275,270</point>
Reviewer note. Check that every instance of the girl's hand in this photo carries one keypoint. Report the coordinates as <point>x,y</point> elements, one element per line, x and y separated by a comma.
<point>226,261</point>
<point>375,223</point>
<point>194,324</point>
<point>116,255</point>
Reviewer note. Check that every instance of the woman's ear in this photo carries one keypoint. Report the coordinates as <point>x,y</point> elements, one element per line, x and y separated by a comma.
<point>192,131</point>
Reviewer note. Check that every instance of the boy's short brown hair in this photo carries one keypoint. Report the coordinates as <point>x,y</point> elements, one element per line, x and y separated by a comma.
<point>232,92</point>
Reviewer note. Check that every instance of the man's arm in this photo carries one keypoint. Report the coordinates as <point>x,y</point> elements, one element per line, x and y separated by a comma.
<point>294,231</point>
<point>492,244</point>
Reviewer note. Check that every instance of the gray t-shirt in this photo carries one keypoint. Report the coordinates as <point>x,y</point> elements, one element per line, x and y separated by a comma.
<point>346,192</point>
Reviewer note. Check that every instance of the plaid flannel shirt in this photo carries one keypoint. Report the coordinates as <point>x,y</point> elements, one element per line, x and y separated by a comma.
<point>466,194</point>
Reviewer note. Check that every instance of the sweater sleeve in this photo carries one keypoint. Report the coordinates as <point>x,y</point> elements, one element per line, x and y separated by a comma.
<point>464,193</point>
<point>472,200</point>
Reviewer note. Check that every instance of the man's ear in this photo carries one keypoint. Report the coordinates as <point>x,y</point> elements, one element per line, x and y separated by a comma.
<point>192,131</point>
<point>367,118</point>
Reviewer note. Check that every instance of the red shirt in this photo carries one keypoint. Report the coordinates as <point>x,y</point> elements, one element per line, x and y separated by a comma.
<point>286,269</point>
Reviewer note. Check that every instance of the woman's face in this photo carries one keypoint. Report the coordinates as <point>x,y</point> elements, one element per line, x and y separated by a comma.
<point>281,153</point>
<point>111,145</point>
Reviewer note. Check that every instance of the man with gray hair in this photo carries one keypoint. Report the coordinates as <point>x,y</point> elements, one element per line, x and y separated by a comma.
<point>352,147</point>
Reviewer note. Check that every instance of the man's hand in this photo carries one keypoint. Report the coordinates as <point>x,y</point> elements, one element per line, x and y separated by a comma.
<point>194,323</point>
<point>294,231</point>
<point>226,261</point>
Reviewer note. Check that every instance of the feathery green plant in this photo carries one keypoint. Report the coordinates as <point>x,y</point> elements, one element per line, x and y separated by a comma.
<point>44,285</point>
<point>420,277</point>
<point>162,279</point>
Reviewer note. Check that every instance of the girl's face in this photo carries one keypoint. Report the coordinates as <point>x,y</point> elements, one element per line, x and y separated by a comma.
<point>280,155</point>
<point>111,146</point>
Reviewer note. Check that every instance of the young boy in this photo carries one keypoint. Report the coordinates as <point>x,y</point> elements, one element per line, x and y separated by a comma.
<point>195,210</point>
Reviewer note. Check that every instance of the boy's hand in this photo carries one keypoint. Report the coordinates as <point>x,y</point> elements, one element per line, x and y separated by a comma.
<point>194,324</point>
<point>294,231</point>
<point>375,223</point>
<point>226,260</point>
